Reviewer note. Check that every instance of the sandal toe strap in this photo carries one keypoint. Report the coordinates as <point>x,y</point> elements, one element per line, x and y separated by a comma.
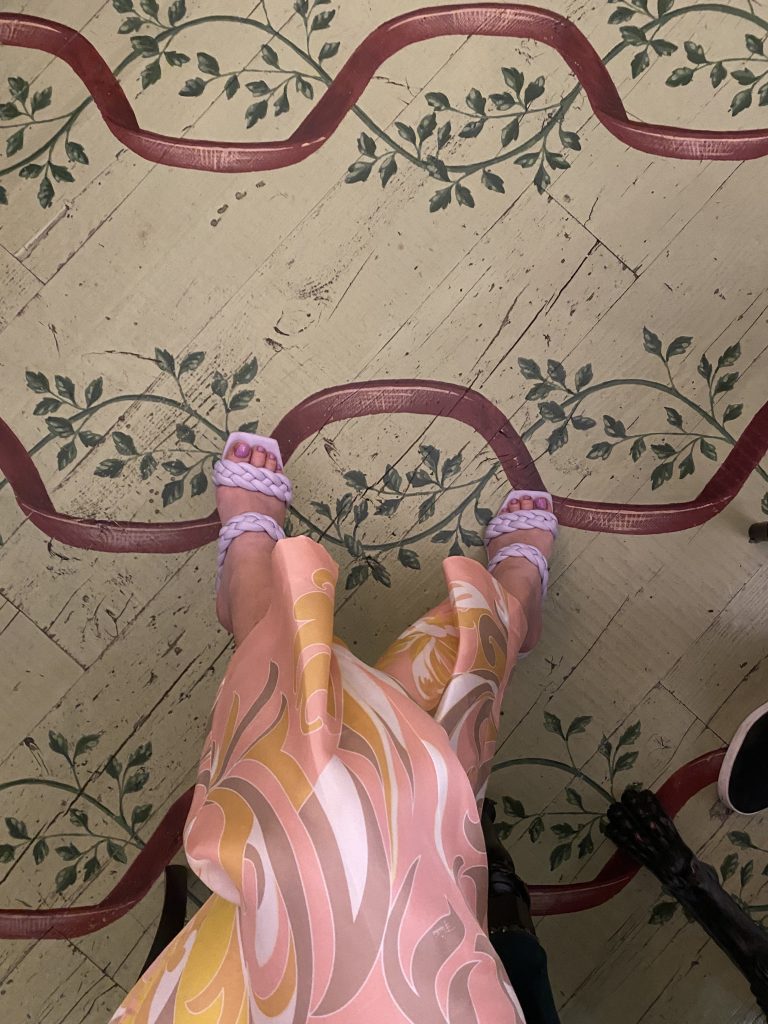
<point>228,473</point>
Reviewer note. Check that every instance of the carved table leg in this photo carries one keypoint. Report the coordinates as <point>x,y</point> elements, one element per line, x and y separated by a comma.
<point>640,826</point>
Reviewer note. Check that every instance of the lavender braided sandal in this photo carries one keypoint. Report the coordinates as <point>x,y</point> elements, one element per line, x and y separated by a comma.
<point>523,519</point>
<point>227,473</point>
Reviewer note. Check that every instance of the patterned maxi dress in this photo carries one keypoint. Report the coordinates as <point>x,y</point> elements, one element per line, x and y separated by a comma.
<point>336,819</point>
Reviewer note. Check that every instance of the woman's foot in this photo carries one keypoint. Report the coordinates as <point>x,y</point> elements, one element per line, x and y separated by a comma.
<point>518,575</point>
<point>245,584</point>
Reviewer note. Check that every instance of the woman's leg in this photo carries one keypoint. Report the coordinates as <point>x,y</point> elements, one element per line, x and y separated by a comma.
<point>246,581</point>
<point>517,575</point>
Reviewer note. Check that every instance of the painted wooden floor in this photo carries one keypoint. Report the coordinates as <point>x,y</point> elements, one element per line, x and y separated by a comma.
<point>146,310</point>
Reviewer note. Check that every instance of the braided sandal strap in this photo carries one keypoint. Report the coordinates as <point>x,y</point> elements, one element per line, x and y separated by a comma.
<point>523,519</point>
<point>227,473</point>
<point>531,554</point>
<point>247,522</point>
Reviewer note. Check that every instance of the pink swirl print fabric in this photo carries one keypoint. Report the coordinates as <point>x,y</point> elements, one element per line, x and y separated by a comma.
<point>336,819</point>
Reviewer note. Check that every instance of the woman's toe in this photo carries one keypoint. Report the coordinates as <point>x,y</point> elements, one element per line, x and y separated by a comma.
<point>542,505</point>
<point>271,463</point>
<point>259,457</point>
<point>239,452</point>
<point>513,506</point>
<point>526,502</point>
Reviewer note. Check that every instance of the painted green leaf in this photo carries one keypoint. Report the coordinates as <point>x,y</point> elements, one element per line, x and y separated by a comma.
<point>553,724</point>
<point>637,449</point>
<point>66,454</point>
<point>177,11</point>
<point>136,781</point>
<point>620,15</point>
<point>208,64</point>
<point>93,391</point>
<point>708,449</point>
<point>85,744</point>
<point>198,484</point>
<point>747,870</point>
<point>40,851</point>
<point>3,196</point>
<point>172,491</point>
<point>361,511</point>
<point>19,88</point>
<point>613,427</point>
<point>358,171</point>
<point>492,181</point>
<point>130,25</point>
<point>427,509</point>
<point>556,371</point>
<point>355,478</point>
<point>674,418</point>
<point>305,88</point>
<point>539,391</point>
<point>16,828</point>
<point>742,840</point>
<point>8,111</point>
<point>387,168</point>
<point>430,455</point>
<point>45,193</point>
<point>754,44</point>
<point>353,545</point>
<point>651,342</point>
<point>147,466</point>
<point>408,558</point>
<point>78,817</point>
<point>557,439</point>
<point>680,76</point>
<point>527,159</point>
<point>563,829</point>
<point>705,368</point>
<point>560,855</point>
<point>195,87</point>
<point>731,355</point>
<point>116,852</point>
<point>41,99</point>
<point>150,74</point>
<point>510,132</point>
<point>536,830</point>
<point>124,443</point>
<point>729,866</point>
<point>68,852</point>
<point>574,798</point>
<point>366,144</point>
<point>663,450</point>
<point>630,735</point>
<point>66,878</point>
<point>687,466</point>
<point>440,200</point>
<point>140,755</point>
<point>256,112</point>
<point>231,86</point>
<point>150,7</point>
<point>14,143</point>
<point>662,913</point>
<point>380,572</point>
<point>695,53</point>
<point>626,761</point>
<point>529,369</point>
<point>58,744</point>
<point>541,179</point>
<point>578,725</point>
<point>744,76</point>
<point>586,846</point>
<point>114,768</point>
<point>601,450</point>
<point>663,47</point>
<point>717,74</point>
<point>664,6</point>
<point>678,346</point>
<point>7,853</point>
<point>269,56</point>
<point>344,505</point>
<point>451,466</point>
<point>582,422</point>
<point>584,376</point>
<point>321,508</point>
<point>357,575</point>
<point>513,808</point>
<point>741,101</point>
<point>426,126</point>
<point>464,196</point>
<point>661,474</point>
<point>732,412</point>
<point>533,90</point>
<point>551,411</point>
<point>392,479</point>
<point>91,868</point>
<point>640,63</point>
<point>37,382</point>
<point>442,536</point>
<point>470,538</point>
<point>322,20</point>
<point>502,100</point>
<point>140,814</point>
<point>483,516</point>
<point>476,101</point>
<point>328,50</point>
<point>241,399</point>
<point>145,46</point>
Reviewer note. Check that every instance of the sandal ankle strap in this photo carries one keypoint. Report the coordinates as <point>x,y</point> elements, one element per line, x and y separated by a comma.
<point>246,522</point>
<point>531,554</point>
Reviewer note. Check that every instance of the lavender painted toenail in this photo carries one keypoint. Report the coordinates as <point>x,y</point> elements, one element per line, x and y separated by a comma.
<point>541,503</point>
<point>242,450</point>
<point>262,450</point>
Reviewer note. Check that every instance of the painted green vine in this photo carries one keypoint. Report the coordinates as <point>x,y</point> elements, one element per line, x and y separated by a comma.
<point>527,127</point>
